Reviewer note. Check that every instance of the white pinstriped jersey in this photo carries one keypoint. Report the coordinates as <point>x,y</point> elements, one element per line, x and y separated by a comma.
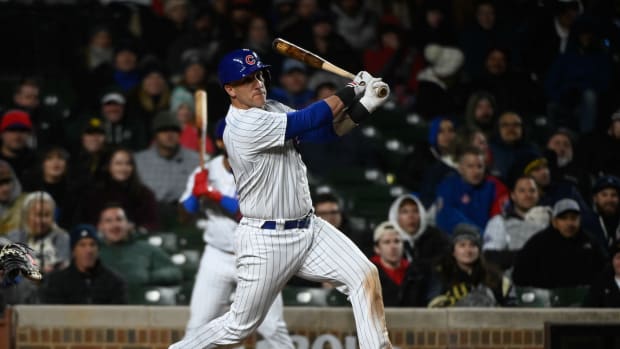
<point>220,228</point>
<point>270,175</point>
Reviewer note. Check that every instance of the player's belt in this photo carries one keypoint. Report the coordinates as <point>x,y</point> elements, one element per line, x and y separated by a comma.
<point>294,224</point>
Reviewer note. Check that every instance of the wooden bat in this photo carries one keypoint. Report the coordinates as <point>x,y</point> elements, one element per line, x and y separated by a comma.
<point>293,51</point>
<point>200,102</point>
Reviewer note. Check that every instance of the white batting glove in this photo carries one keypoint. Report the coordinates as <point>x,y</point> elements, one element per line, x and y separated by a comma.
<point>371,101</point>
<point>359,83</point>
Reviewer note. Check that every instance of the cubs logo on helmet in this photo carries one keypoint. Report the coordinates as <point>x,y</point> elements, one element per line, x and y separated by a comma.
<point>238,64</point>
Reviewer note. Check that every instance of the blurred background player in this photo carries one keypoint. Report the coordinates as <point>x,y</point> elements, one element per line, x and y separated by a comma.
<point>217,278</point>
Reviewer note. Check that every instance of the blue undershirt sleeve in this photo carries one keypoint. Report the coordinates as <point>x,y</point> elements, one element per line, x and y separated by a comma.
<point>191,204</point>
<point>324,134</point>
<point>230,204</point>
<point>312,117</point>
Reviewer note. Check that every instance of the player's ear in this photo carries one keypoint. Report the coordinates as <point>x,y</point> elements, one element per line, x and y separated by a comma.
<point>230,90</point>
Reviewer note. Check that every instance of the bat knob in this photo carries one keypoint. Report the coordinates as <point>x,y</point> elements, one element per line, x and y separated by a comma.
<point>382,92</point>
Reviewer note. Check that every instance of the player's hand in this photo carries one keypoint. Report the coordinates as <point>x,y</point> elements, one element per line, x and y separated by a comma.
<point>359,83</point>
<point>202,189</point>
<point>370,100</point>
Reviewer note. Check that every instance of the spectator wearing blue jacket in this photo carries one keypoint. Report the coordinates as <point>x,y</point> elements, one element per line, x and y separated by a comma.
<point>471,196</point>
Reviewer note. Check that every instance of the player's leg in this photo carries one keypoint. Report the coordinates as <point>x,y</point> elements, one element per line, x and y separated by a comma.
<point>266,259</point>
<point>273,329</point>
<point>215,281</point>
<point>335,257</point>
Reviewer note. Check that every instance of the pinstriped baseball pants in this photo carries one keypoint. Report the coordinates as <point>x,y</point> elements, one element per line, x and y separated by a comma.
<point>267,259</point>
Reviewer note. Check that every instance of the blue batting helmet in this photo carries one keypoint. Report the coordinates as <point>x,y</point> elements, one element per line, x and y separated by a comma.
<point>238,64</point>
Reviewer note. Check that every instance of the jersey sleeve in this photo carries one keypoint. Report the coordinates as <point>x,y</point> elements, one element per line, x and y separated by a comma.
<point>255,130</point>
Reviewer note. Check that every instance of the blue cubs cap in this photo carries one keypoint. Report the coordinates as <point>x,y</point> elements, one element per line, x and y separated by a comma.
<point>238,64</point>
<point>219,128</point>
<point>605,182</point>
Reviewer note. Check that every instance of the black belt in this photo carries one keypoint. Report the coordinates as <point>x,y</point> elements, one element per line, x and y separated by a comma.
<point>302,223</point>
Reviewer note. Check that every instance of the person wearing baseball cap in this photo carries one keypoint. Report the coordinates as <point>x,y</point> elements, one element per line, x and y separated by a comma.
<point>605,291</point>
<point>561,255</point>
<point>86,280</point>
<point>118,127</point>
<point>603,219</point>
<point>398,283</point>
<point>15,133</point>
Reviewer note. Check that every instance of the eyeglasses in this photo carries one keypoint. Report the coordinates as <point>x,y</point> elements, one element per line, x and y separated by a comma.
<point>6,181</point>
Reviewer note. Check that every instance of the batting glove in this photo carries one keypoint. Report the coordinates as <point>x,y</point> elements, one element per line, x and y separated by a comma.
<point>203,189</point>
<point>371,101</point>
<point>359,83</point>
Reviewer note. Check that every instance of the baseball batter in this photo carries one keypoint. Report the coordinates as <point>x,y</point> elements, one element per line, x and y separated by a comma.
<point>216,279</point>
<point>279,236</point>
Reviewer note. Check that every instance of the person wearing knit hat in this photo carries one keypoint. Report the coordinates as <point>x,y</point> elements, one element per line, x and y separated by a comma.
<point>86,280</point>
<point>463,278</point>
<point>16,133</point>
<point>605,291</point>
<point>603,219</point>
<point>397,278</point>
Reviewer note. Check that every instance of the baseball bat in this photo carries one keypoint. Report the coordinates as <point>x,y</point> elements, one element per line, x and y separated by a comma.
<point>200,102</point>
<point>288,49</point>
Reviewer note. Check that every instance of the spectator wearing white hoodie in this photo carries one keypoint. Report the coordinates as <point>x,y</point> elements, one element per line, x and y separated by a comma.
<point>422,242</point>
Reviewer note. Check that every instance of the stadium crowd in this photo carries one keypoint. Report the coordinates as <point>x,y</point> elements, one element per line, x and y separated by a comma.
<point>509,177</point>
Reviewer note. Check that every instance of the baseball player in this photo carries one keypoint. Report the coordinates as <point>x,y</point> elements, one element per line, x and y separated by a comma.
<point>216,279</point>
<point>279,236</point>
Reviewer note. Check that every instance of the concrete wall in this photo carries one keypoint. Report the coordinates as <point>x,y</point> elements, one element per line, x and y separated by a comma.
<point>134,327</point>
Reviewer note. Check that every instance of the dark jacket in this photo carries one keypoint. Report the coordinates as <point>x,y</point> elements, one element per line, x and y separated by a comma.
<point>71,286</point>
<point>406,294</point>
<point>604,292</point>
<point>549,260</point>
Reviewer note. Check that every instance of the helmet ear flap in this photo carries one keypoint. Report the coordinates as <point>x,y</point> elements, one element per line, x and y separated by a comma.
<point>267,77</point>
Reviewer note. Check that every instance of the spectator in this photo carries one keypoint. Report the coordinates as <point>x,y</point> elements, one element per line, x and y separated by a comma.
<point>300,24</point>
<point>599,152</point>
<point>183,107</point>
<point>469,196</point>
<point>11,198</point>
<point>293,89</point>
<point>138,262</point>
<point>51,176</point>
<point>431,161</point>
<point>151,96</point>
<point>46,124</point>
<point>398,286</point>
<point>165,166</point>
<point>481,112</point>
<point>560,150</point>
<point>86,280</point>
<point>329,207</point>
<point>167,28</point>
<point>422,243</point>
<point>546,36</point>
<point>259,39</point>
<point>603,221</point>
<point>605,290</point>
<point>578,78</point>
<point>433,25</point>
<point>463,278</point>
<point>195,76</point>
<point>38,229</point>
<point>16,132</point>
<point>99,49</point>
<point>551,190</point>
<point>561,255</point>
<point>89,156</point>
<point>119,182</point>
<point>355,23</point>
<point>122,74</point>
<point>478,38</point>
<point>437,94</point>
<point>120,128</point>
<point>512,88</point>
<point>506,233</point>
<point>471,136</point>
<point>509,142</point>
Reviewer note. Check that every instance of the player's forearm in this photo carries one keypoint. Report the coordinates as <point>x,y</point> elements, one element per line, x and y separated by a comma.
<point>343,124</point>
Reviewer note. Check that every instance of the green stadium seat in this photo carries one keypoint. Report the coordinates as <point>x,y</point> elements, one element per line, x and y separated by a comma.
<point>305,296</point>
<point>168,242</point>
<point>531,297</point>
<point>336,298</point>
<point>188,261</point>
<point>185,292</point>
<point>568,297</point>
<point>161,295</point>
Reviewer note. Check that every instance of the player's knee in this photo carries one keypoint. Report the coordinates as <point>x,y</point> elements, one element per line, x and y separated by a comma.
<point>241,330</point>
